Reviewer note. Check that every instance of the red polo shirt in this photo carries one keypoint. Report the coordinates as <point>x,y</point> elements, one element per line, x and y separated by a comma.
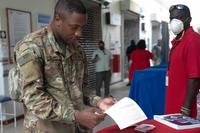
<point>184,64</point>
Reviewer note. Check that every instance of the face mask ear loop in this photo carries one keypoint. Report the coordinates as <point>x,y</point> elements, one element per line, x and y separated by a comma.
<point>185,22</point>
<point>186,19</point>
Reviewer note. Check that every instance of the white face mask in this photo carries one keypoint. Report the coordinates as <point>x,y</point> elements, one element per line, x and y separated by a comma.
<point>176,26</point>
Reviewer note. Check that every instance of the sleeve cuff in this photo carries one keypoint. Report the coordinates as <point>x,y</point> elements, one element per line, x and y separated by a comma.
<point>94,100</point>
<point>68,115</point>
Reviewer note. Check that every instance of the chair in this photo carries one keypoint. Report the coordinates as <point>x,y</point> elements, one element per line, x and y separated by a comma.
<point>4,99</point>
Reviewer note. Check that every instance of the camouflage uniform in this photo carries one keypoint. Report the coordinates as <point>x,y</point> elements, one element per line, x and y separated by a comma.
<point>54,81</point>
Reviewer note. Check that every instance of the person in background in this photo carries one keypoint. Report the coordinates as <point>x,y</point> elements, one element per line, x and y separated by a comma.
<point>140,58</point>
<point>103,61</point>
<point>53,69</point>
<point>129,50</point>
<point>184,64</point>
<point>156,50</point>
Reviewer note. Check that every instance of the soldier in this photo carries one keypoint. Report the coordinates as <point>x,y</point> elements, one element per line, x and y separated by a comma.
<point>53,70</point>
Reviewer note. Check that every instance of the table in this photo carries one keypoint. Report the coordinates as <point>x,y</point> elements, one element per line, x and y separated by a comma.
<point>160,66</point>
<point>160,128</point>
<point>148,90</point>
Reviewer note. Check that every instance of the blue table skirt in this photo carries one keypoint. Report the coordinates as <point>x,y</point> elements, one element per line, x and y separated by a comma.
<point>148,90</point>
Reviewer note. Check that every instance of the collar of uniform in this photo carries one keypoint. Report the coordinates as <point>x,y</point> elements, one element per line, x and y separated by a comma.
<point>187,32</point>
<point>70,49</point>
<point>52,40</point>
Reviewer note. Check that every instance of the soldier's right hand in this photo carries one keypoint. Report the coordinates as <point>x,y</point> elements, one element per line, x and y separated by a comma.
<point>89,117</point>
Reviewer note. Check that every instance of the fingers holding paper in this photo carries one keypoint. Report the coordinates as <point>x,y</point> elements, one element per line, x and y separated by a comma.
<point>89,117</point>
<point>106,103</point>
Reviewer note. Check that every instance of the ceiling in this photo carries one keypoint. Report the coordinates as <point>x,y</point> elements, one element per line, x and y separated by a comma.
<point>168,3</point>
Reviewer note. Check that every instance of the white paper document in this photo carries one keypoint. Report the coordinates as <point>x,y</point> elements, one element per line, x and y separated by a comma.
<point>125,113</point>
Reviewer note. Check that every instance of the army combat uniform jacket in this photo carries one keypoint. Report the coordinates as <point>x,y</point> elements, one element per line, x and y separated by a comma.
<point>54,82</point>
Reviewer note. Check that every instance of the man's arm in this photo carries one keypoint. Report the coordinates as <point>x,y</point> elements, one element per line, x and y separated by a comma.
<point>35,97</point>
<point>111,65</point>
<point>111,60</point>
<point>192,61</point>
<point>95,57</point>
<point>191,94</point>
<point>154,54</point>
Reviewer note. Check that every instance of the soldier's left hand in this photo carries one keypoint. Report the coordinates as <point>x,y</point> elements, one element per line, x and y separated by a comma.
<point>105,103</point>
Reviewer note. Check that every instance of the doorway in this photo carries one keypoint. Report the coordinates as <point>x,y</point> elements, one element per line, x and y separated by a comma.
<point>130,31</point>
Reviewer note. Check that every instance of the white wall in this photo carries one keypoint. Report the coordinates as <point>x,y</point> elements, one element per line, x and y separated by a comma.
<point>112,34</point>
<point>156,34</point>
<point>147,8</point>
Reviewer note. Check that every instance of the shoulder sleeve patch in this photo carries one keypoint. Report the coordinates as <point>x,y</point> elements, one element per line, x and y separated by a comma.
<point>28,52</point>
<point>25,58</point>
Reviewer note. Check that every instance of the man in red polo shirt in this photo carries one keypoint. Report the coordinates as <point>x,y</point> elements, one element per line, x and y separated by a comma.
<point>184,64</point>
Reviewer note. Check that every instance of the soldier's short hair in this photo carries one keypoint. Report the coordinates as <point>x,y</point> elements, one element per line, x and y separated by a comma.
<point>63,6</point>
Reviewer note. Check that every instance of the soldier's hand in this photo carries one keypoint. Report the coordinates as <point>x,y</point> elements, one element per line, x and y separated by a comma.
<point>89,117</point>
<point>105,103</point>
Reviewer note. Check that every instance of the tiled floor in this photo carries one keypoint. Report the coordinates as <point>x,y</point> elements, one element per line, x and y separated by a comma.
<point>118,90</point>
<point>11,129</point>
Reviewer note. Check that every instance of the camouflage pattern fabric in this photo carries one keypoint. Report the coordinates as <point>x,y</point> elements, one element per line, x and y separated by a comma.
<point>53,83</point>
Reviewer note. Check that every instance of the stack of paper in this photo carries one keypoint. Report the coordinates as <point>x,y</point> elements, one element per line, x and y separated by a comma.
<point>178,121</point>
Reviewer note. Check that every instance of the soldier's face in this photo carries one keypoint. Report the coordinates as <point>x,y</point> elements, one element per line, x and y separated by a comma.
<point>70,27</point>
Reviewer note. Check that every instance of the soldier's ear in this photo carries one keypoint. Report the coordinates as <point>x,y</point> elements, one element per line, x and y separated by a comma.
<point>57,17</point>
<point>57,20</point>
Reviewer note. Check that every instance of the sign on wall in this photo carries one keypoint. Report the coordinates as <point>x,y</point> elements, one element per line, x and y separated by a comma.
<point>43,20</point>
<point>19,25</point>
<point>2,34</point>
